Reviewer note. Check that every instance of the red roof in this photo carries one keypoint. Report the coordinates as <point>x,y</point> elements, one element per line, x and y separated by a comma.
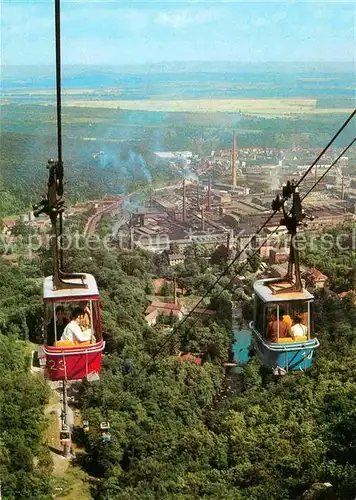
<point>159,304</point>
<point>343,294</point>
<point>190,357</point>
<point>166,308</point>
<point>318,275</point>
<point>9,222</point>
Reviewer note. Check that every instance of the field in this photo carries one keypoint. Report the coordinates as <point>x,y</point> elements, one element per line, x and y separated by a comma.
<point>256,107</point>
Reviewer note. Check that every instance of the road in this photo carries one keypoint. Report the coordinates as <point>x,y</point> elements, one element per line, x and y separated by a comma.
<point>106,207</point>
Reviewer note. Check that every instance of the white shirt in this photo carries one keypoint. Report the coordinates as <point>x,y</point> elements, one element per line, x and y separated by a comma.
<point>73,332</point>
<point>298,330</point>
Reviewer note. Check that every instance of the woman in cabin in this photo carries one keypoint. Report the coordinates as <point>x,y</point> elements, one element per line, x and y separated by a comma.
<point>298,329</point>
<point>73,331</point>
<point>86,320</point>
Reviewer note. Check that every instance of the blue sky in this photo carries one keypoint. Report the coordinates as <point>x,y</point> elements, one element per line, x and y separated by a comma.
<point>118,32</point>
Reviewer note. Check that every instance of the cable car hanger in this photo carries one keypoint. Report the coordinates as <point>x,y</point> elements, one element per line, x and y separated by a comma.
<point>53,203</point>
<point>291,220</point>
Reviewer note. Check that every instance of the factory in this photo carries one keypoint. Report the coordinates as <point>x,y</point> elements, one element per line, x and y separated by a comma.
<point>215,213</point>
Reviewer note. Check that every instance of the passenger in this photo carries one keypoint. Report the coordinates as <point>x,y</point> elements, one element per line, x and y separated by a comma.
<point>85,323</point>
<point>61,323</point>
<point>73,331</point>
<point>298,329</point>
<point>277,328</point>
<point>287,319</point>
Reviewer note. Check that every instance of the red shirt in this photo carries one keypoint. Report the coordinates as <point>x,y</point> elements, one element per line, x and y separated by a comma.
<point>273,330</point>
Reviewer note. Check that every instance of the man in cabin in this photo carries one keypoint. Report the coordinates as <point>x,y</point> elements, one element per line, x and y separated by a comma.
<point>298,329</point>
<point>277,327</point>
<point>73,332</point>
<point>61,323</point>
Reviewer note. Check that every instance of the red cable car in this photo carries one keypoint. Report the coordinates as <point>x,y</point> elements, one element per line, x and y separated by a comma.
<point>70,359</point>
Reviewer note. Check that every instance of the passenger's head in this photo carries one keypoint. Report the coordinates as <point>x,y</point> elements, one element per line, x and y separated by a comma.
<point>281,313</point>
<point>273,315</point>
<point>77,314</point>
<point>60,312</point>
<point>298,319</point>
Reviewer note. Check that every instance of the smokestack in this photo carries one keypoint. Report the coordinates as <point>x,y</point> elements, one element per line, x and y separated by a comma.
<point>198,196</point>
<point>175,290</point>
<point>342,187</point>
<point>150,205</point>
<point>183,215</point>
<point>209,195</point>
<point>233,160</point>
<point>202,219</point>
<point>228,241</point>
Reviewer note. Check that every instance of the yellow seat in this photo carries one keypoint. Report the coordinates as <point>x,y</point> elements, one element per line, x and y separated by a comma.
<point>69,343</point>
<point>286,340</point>
<point>64,343</point>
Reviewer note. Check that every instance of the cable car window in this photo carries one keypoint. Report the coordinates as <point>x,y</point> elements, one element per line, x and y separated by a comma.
<point>59,314</point>
<point>288,319</point>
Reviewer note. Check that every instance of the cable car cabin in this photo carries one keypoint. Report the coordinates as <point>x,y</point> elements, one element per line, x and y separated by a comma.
<point>283,326</point>
<point>73,334</point>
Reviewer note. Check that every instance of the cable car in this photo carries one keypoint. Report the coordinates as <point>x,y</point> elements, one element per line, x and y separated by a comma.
<point>277,350</point>
<point>70,359</point>
<point>64,435</point>
<point>283,314</point>
<point>105,431</point>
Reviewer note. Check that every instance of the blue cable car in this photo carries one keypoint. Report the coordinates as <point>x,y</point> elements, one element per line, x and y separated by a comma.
<point>275,346</point>
<point>283,315</point>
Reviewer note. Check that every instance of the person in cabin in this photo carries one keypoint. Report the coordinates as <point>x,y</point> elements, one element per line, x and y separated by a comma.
<point>61,322</point>
<point>287,319</point>
<point>277,327</point>
<point>85,323</point>
<point>73,331</point>
<point>298,329</point>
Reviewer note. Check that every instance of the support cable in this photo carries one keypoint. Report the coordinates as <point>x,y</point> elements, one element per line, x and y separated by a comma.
<point>57,15</point>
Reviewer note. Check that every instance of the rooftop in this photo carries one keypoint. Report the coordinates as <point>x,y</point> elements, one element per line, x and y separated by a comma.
<point>49,294</point>
<point>264,291</point>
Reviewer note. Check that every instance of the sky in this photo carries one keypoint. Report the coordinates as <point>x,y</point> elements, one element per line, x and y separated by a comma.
<point>121,32</point>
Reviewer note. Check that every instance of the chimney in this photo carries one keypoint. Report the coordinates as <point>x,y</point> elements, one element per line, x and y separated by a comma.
<point>183,215</point>
<point>209,195</point>
<point>175,290</point>
<point>342,187</point>
<point>150,205</point>
<point>233,160</point>
<point>198,196</point>
<point>132,244</point>
<point>202,219</point>
<point>228,241</point>
<point>142,220</point>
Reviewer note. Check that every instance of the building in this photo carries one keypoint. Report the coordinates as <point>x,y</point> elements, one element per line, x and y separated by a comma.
<point>175,259</point>
<point>313,277</point>
<point>164,309</point>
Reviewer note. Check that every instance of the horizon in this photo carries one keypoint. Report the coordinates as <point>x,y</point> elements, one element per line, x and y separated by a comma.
<point>152,33</point>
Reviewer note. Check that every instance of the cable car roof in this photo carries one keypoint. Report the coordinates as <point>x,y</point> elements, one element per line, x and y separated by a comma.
<point>91,292</point>
<point>265,292</point>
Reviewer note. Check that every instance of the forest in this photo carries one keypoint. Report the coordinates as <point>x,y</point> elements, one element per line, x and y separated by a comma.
<point>180,430</point>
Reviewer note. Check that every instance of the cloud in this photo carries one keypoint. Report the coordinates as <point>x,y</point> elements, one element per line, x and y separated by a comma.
<point>179,19</point>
